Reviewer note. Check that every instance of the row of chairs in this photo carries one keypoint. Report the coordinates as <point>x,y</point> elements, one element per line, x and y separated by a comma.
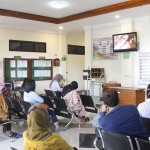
<point>116,141</point>
<point>17,108</point>
<point>86,100</point>
<point>20,108</point>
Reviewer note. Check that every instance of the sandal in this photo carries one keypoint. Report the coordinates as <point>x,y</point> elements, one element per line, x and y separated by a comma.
<point>86,119</point>
<point>15,135</point>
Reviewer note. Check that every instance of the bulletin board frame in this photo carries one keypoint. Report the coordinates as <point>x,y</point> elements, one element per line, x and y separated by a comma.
<point>18,69</point>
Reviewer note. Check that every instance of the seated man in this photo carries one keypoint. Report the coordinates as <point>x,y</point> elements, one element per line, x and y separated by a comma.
<point>144,107</point>
<point>120,119</point>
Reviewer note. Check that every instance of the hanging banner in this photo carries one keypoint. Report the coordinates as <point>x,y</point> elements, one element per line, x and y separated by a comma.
<point>144,68</point>
<point>103,49</point>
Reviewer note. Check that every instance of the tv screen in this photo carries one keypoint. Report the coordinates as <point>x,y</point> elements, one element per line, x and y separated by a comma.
<point>125,42</point>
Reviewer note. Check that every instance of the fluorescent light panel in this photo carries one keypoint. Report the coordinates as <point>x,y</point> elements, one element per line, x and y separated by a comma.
<point>117,16</point>
<point>58,4</point>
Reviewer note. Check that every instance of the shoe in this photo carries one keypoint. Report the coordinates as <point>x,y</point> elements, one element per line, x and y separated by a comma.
<point>86,119</point>
<point>60,129</point>
<point>16,135</point>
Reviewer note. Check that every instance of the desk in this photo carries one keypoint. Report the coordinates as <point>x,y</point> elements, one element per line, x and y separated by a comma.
<point>129,95</point>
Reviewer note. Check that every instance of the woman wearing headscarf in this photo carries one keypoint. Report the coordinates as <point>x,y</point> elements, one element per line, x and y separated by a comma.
<point>38,135</point>
<point>70,95</point>
<point>54,85</point>
<point>144,107</point>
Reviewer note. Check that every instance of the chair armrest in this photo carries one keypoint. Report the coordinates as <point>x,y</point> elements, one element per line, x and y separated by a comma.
<point>95,143</point>
<point>97,106</point>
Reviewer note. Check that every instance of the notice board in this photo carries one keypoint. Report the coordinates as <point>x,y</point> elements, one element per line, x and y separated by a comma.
<point>37,69</point>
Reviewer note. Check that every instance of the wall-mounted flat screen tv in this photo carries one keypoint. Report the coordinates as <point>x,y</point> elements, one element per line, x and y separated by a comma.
<point>125,42</point>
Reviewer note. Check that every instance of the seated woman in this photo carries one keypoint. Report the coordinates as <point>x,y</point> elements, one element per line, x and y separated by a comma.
<point>54,85</point>
<point>38,134</point>
<point>32,97</point>
<point>70,95</point>
<point>4,112</point>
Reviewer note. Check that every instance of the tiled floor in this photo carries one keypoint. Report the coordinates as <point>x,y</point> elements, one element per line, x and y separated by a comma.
<point>71,135</point>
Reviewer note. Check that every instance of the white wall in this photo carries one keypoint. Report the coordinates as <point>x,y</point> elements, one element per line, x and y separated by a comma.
<point>111,67</point>
<point>124,71</point>
<point>54,46</point>
<point>75,63</point>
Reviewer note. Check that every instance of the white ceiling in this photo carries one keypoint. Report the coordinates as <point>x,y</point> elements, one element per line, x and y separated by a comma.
<point>41,7</point>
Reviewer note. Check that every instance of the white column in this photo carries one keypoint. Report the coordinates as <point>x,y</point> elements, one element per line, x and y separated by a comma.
<point>127,64</point>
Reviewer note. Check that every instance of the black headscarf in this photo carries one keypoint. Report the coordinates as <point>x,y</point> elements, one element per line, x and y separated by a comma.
<point>148,91</point>
<point>70,87</point>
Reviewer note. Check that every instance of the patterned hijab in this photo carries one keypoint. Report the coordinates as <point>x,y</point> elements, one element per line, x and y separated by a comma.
<point>1,82</point>
<point>70,87</point>
<point>148,91</point>
<point>58,78</point>
<point>38,120</point>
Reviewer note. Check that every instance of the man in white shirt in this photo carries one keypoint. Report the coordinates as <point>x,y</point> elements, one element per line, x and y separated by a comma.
<point>144,107</point>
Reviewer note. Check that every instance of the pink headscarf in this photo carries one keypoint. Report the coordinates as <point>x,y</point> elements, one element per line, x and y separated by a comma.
<point>1,82</point>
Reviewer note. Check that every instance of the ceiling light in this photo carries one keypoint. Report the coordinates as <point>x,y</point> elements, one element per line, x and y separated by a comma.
<point>117,16</point>
<point>58,4</point>
<point>60,27</point>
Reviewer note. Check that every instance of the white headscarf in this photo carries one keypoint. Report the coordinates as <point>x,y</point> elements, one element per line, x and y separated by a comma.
<point>58,78</point>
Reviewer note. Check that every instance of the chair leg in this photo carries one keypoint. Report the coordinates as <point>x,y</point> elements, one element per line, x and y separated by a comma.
<point>69,121</point>
<point>73,118</point>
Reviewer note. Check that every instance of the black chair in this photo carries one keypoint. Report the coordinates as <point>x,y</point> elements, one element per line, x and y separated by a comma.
<point>50,93</point>
<point>9,102</point>
<point>48,101</point>
<point>11,108</point>
<point>58,94</point>
<point>18,109</point>
<point>142,144</point>
<point>26,106</point>
<point>113,141</point>
<point>9,84</point>
<point>146,123</point>
<point>88,103</point>
<point>62,110</point>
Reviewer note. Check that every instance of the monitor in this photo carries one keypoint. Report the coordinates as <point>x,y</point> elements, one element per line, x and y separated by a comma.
<point>125,42</point>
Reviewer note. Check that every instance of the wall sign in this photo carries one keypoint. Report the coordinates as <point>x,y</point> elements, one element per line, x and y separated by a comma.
<point>103,49</point>
<point>144,68</point>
